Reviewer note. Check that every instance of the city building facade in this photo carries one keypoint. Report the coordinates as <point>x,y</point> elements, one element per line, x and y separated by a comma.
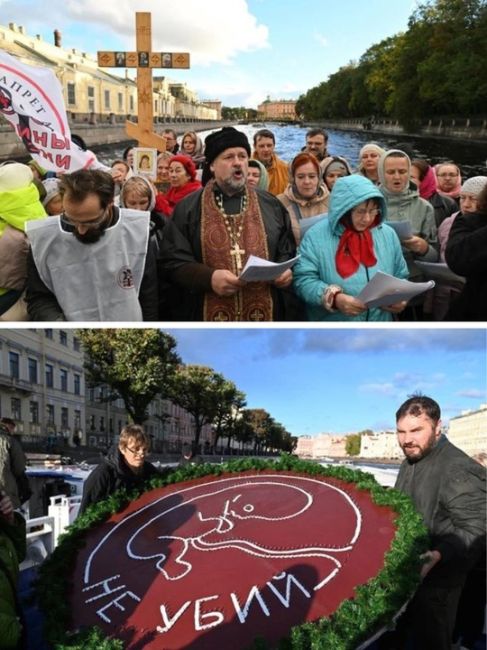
<point>322,445</point>
<point>96,95</point>
<point>283,109</point>
<point>382,444</point>
<point>43,389</point>
<point>468,431</point>
<point>42,386</point>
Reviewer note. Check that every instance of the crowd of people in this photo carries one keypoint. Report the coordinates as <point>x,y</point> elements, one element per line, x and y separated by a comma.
<point>117,244</point>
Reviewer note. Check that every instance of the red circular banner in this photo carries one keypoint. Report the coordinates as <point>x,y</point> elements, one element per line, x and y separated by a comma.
<point>218,561</point>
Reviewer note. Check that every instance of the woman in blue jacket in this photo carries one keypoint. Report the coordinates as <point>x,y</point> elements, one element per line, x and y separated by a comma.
<point>339,255</point>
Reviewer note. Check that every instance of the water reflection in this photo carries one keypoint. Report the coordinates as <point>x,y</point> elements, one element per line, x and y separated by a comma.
<point>470,157</point>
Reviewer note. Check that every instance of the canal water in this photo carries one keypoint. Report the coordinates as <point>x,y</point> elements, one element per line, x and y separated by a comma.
<point>471,158</point>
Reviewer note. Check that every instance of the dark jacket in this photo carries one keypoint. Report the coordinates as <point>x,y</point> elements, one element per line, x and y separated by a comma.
<point>449,489</point>
<point>12,552</point>
<point>443,206</point>
<point>183,257</point>
<point>113,474</point>
<point>42,304</point>
<point>466,255</point>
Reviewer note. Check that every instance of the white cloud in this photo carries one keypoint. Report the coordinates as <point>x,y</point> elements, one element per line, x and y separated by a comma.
<point>473,393</point>
<point>322,40</point>
<point>386,388</point>
<point>214,31</point>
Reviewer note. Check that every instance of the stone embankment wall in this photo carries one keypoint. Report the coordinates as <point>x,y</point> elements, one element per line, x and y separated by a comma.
<point>465,129</point>
<point>95,135</point>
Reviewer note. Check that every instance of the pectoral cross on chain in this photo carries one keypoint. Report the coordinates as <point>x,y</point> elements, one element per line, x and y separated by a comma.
<point>237,253</point>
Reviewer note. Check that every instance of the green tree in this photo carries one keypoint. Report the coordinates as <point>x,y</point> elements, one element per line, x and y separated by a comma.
<point>229,405</point>
<point>134,364</point>
<point>199,390</point>
<point>352,444</point>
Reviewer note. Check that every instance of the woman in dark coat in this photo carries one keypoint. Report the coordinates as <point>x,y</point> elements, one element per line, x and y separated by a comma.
<point>466,255</point>
<point>124,467</point>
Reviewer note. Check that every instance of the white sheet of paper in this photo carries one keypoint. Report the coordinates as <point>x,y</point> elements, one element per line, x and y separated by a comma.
<point>403,228</point>
<point>384,290</point>
<point>440,272</point>
<point>259,270</point>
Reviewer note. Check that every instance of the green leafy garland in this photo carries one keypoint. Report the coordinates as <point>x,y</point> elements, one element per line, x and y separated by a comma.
<point>372,608</point>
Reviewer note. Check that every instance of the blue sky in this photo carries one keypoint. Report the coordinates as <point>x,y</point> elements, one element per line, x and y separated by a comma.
<point>242,50</point>
<point>343,380</point>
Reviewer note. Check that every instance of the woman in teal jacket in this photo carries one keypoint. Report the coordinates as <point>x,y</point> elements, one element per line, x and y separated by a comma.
<point>339,255</point>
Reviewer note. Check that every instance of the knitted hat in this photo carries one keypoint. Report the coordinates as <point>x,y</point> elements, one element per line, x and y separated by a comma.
<point>187,163</point>
<point>223,139</point>
<point>337,166</point>
<point>474,185</point>
<point>14,176</point>
<point>51,185</point>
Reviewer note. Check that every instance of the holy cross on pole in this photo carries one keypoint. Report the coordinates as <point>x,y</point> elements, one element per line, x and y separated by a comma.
<point>144,60</point>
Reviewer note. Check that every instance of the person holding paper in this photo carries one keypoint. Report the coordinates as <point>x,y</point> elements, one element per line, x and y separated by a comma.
<point>306,195</point>
<point>217,229</point>
<point>405,204</point>
<point>342,253</point>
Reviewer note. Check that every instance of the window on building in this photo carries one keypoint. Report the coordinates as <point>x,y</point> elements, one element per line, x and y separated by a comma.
<point>49,375</point>
<point>76,344</point>
<point>120,101</point>
<point>64,417</point>
<point>131,103</point>
<point>91,394</point>
<point>77,419</point>
<point>91,99</point>
<point>63,374</point>
<point>34,412</point>
<point>13,360</point>
<point>50,414</point>
<point>102,423</point>
<point>107,98</point>
<point>32,370</point>
<point>110,425</point>
<point>15,409</point>
<point>71,94</point>
<point>77,384</point>
<point>63,337</point>
<point>92,422</point>
<point>48,333</point>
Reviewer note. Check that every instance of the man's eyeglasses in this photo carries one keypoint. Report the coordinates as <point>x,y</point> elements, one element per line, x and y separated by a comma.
<point>447,175</point>
<point>138,452</point>
<point>88,224</point>
<point>361,212</point>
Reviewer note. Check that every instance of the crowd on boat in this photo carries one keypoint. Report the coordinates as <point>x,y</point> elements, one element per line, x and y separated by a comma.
<point>168,239</point>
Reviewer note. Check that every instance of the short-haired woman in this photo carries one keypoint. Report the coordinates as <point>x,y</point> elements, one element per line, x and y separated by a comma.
<point>125,466</point>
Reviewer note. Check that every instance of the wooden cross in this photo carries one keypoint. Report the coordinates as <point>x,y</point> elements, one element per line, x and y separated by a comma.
<point>237,253</point>
<point>144,60</point>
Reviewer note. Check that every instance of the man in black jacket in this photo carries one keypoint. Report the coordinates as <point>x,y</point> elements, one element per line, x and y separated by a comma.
<point>124,467</point>
<point>448,489</point>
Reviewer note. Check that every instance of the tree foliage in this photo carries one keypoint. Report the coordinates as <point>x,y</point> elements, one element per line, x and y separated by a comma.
<point>352,444</point>
<point>203,393</point>
<point>436,67</point>
<point>134,364</point>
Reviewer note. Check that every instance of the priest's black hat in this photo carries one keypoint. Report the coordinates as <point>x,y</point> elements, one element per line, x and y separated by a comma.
<point>225,138</point>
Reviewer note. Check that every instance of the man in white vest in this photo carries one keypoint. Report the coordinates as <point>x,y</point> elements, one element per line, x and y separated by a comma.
<point>93,262</point>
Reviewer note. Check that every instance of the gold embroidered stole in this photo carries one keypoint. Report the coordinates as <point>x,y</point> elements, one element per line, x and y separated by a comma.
<point>254,301</point>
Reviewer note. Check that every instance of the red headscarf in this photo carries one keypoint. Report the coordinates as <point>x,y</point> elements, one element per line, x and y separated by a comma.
<point>429,185</point>
<point>355,248</point>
